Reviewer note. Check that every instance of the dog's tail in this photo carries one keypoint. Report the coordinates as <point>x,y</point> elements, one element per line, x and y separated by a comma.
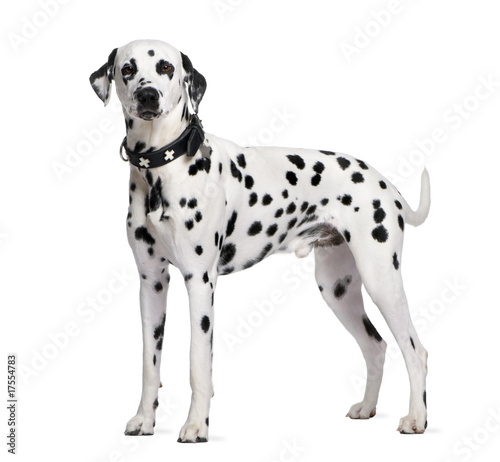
<point>417,217</point>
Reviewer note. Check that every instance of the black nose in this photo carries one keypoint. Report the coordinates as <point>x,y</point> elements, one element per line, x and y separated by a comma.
<point>148,97</point>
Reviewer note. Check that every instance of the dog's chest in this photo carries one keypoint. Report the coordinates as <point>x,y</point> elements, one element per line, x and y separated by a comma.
<point>176,205</point>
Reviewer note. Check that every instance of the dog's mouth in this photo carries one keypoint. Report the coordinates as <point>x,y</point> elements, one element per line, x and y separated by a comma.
<point>148,114</point>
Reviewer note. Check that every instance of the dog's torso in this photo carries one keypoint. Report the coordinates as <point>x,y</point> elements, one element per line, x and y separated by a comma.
<point>237,205</point>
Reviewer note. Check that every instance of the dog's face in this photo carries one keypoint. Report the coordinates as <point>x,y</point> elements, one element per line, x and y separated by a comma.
<point>149,77</point>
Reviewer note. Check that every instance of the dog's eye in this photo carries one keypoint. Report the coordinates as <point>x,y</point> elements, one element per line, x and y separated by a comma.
<point>127,70</point>
<point>164,67</point>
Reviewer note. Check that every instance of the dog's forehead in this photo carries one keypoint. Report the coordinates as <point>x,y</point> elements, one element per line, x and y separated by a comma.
<point>149,51</point>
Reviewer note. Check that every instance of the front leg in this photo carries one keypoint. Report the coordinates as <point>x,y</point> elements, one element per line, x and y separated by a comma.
<point>153,293</point>
<point>201,305</point>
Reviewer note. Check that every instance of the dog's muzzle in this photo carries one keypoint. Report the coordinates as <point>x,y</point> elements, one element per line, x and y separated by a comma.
<point>148,103</point>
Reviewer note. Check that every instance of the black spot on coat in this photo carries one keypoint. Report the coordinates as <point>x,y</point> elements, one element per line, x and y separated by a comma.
<point>380,233</point>
<point>362,165</point>
<point>401,222</point>
<point>249,182</point>
<point>357,177</point>
<point>346,199</point>
<point>316,180</point>
<point>343,162</point>
<point>379,215</point>
<point>319,167</point>
<point>255,228</point>
<point>271,231</point>
<point>205,324</point>
<point>241,160</point>
<point>340,287</point>
<point>370,329</point>
<point>231,223</point>
<point>311,210</point>
<point>142,234</point>
<point>227,254</point>
<point>308,219</point>
<point>291,177</point>
<point>140,146</point>
<point>395,261</point>
<point>292,223</point>
<point>160,328</point>
<point>235,171</point>
<point>253,199</point>
<point>267,199</point>
<point>297,161</point>
<point>155,195</point>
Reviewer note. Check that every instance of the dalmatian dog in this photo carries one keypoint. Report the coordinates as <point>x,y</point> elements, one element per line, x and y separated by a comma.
<point>210,207</point>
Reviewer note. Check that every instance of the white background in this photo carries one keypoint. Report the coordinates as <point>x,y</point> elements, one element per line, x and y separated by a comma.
<point>75,325</point>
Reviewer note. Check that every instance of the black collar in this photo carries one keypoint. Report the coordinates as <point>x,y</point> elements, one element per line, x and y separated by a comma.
<point>188,143</point>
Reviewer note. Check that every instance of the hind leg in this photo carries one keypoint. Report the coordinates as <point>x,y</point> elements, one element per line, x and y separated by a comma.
<point>383,282</point>
<point>340,285</point>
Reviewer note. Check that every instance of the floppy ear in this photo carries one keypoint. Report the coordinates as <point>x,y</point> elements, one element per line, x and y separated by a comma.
<point>195,81</point>
<point>102,78</point>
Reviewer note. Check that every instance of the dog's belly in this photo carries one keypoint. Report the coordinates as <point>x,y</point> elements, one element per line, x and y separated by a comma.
<point>293,226</point>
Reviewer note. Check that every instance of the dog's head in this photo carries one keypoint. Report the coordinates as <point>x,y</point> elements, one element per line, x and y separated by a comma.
<point>150,79</point>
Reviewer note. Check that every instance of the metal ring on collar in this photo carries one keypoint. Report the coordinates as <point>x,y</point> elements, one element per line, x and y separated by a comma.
<point>122,147</point>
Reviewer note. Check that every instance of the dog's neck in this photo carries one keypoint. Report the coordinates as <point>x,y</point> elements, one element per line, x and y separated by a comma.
<point>145,135</point>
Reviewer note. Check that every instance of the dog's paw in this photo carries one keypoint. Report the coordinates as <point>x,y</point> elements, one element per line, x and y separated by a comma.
<point>361,411</point>
<point>140,425</point>
<point>411,424</point>
<point>193,432</point>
